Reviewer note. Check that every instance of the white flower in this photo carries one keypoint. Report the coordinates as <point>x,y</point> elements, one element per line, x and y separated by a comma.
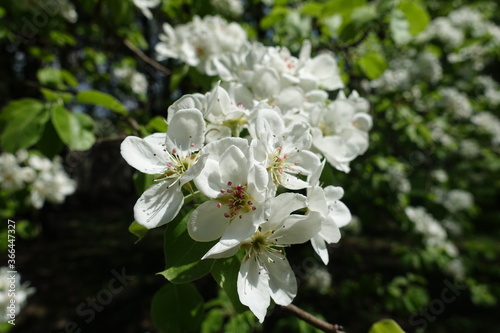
<point>201,42</point>
<point>334,214</point>
<point>284,150</point>
<point>339,132</point>
<point>265,272</point>
<point>11,175</point>
<point>52,186</point>
<point>456,102</point>
<point>145,5</point>
<point>237,187</point>
<point>456,200</point>
<point>175,156</point>
<point>490,124</point>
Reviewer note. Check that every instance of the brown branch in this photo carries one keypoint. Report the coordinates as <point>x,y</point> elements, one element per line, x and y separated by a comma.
<point>316,322</point>
<point>146,59</point>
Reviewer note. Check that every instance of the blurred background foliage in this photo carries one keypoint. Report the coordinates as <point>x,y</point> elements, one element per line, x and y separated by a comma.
<point>78,76</point>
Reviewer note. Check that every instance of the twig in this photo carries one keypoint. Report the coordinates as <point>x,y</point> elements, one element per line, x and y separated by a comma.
<point>146,59</point>
<point>316,322</point>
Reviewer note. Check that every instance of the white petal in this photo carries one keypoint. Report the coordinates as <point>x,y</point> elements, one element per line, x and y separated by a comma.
<point>158,205</point>
<point>265,83</point>
<point>209,181</point>
<point>240,229</point>
<point>333,193</point>
<point>194,170</point>
<point>319,246</point>
<point>233,166</point>
<point>282,206</point>
<point>258,181</point>
<point>282,280</point>
<point>298,137</point>
<point>221,250</point>
<point>253,288</point>
<point>299,229</point>
<point>190,101</point>
<point>217,148</point>
<point>329,231</point>
<point>317,202</point>
<point>268,125</point>
<point>157,140</point>
<point>339,213</point>
<point>142,156</point>
<point>207,222</point>
<point>186,131</point>
<point>290,98</point>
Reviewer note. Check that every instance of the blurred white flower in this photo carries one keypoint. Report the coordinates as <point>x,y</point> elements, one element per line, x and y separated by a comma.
<point>145,5</point>
<point>490,124</point>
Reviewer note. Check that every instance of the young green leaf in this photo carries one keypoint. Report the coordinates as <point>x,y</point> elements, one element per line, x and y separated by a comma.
<point>177,308</point>
<point>183,254</point>
<point>23,122</point>
<point>386,326</point>
<point>225,272</point>
<point>95,97</point>
<point>74,129</point>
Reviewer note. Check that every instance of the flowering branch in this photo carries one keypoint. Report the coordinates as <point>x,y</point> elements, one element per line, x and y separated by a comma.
<point>314,321</point>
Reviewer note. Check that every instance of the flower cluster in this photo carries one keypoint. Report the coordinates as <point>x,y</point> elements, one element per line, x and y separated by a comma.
<point>254,149</point>
<point>44,179</point>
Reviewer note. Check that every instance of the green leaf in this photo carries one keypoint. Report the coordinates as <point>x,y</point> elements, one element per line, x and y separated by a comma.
<point>74,129</point>
<point>158,124</point>
<point>225,272</point>
<point>56,78</point>
<point>62,38</point>
<point>386,326</point>
<point>416,15</point>
<point>139,230</point>
<point>183,254</point>
<point>23,122</point>
<point>372,64</point>
<point>357,23</point>
<point>142,181</point>
<point>177,308</point>
<point>95,97</point>
<point>312,8</point>
<point>400,28</point>
<point>276,15</point>
<point>50,144</point>
<point>56,96</point>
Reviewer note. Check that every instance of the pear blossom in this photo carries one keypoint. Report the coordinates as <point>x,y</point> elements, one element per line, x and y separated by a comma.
<point>340,130</point>
<point>201,42</point>
<point>334,213</point>
<point>265,272</point>
<point>175,156</point>
<point>284,150</point>
<point>226,112</point>
<point>237,187</point>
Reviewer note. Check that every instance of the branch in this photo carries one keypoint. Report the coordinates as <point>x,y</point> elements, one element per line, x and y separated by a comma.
<point>146,59</point>
<point>309,318</point>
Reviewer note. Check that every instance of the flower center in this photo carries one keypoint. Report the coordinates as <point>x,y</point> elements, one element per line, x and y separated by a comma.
<point>236,200</point>
<point>178,164</point>
<point>278,165</point>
